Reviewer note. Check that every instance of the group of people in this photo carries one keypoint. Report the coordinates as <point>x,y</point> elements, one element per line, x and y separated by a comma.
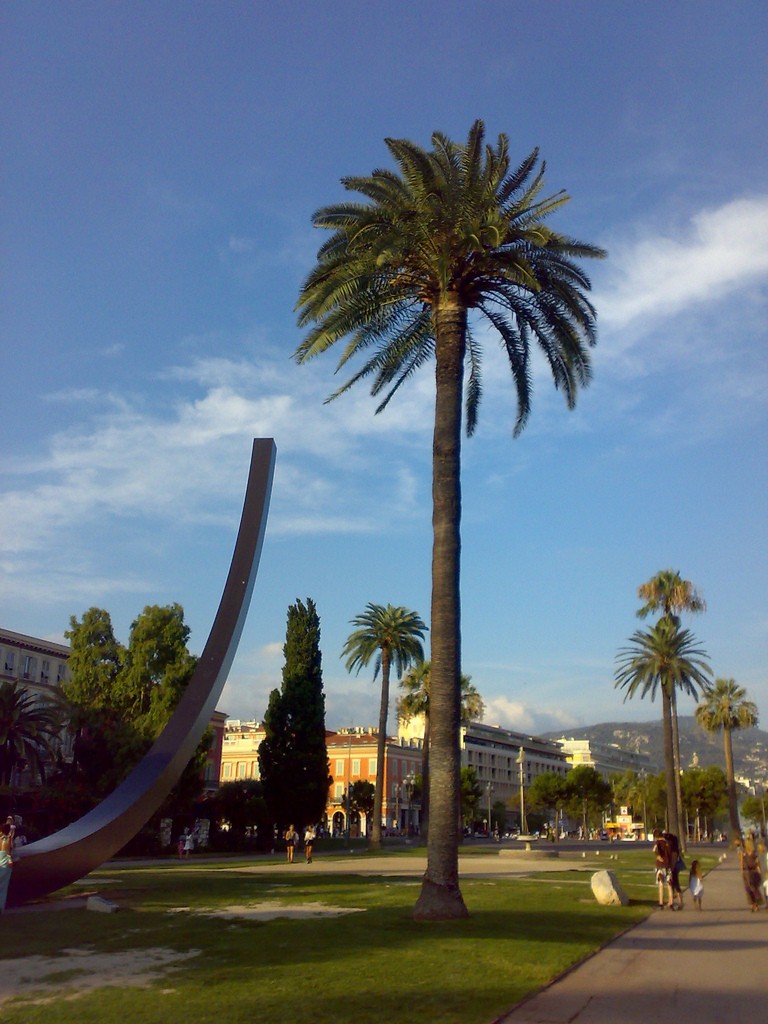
<point>291,837</point>
<point>669,864</point>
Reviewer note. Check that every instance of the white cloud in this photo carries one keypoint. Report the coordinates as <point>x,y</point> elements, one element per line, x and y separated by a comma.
<point>723,250</point>
<point>515,715</point>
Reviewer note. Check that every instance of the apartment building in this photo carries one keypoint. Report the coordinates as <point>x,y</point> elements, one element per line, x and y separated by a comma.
<point>40,666</point>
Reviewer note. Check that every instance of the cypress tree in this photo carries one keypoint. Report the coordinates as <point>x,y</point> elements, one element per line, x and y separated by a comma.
<point>293,758</point>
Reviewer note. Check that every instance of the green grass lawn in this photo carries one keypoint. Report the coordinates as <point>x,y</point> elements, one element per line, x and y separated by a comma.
<point>370,966</point>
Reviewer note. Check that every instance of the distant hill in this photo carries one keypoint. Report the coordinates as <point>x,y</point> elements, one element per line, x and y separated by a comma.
<point>750,746</point>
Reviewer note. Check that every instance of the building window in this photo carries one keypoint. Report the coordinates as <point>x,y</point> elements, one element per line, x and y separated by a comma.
<point>339,767</point>
<point>241,771</point>
<point>356,766</point>
<point>338,790</point>
<point>60,672</point>
<point>28,666</point>
<point>10,658</point>
<point>45,671</point>
<point>372,766</point>
<point>227,772</point>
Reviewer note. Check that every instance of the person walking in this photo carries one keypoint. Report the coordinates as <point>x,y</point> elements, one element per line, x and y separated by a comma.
<point>309,842</point>
<point>749,862</point>
<point>291,838</point>
<point>676,865</point>
<point>6,862</point>
<point>696,884</point>
<point>663,854</point>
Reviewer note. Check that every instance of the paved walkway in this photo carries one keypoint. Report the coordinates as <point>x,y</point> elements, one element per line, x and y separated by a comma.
<point>708,967</point>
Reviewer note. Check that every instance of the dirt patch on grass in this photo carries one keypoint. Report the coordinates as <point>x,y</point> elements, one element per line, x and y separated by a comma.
<point>41,979</point>
<point>270,911</point>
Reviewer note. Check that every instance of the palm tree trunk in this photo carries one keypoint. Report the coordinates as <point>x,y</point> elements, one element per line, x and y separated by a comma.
<point>733,804</point>
<point>440,897</point>
<point>673,821</point>
<point>424,812</point>
<point>381,753</point>
<point>678,791</point>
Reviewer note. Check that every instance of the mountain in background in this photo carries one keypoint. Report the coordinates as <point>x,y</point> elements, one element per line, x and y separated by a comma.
<point>750,746</point>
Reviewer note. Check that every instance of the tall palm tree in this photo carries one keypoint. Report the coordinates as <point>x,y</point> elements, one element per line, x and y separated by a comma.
<point>725,707</point>
<point>415,702</point>
<point>663,658</point>
<point>456,233</point>
<point>670,594</point>
<point>392,637</point>
<point>28,730</point>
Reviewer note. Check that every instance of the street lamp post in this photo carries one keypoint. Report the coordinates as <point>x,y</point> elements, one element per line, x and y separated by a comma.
<point>349,786</point>
<point>488,793</point>
<point>409,780</point>
<point>523,822</point>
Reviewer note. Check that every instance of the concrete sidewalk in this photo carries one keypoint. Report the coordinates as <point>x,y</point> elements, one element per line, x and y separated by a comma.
<point>708,967</point>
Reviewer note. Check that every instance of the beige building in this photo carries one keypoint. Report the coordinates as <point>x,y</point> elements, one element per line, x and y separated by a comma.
<point>352,757</point>
<point>503,760</point>
<point>39,667</point>
<point>240,750</point>
<point>606,758</point>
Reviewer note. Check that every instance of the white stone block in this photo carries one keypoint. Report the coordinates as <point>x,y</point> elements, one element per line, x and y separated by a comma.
<point>607,890</point>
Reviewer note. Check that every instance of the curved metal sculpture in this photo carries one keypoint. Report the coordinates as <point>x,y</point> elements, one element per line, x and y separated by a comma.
<point>62,858</point>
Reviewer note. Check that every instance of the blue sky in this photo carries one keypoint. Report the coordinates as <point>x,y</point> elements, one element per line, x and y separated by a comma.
<point>161,165</point>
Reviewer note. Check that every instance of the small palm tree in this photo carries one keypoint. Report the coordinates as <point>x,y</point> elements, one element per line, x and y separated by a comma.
<point>663,659</point>
<point>415,702</point>
<point>28,730</point>
<point>725,707</point>
<point>392,637</point>
<point>670,594</point>
<point>456,234</point>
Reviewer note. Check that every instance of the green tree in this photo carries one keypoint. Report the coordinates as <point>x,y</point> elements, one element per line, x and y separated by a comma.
<point>29,731</point>
<point>293,757</point>
<point>705,793</point>
<point>498,816</point>
<point>119,699</point>
<point>663,658</point>
<point>755,809</point>
<point>392,638</point>
<point>670,594</point>
<point>415,702</point>
<point>95,661</point>
<point>471,791</point>
<point>157,668</point>
<point>549,792</point>
<point>655,791</point>
<point>240,806</point>
<point>362,795</point>
<point>457,235</point>
<point>723,708</point>
<point>588,794</point>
